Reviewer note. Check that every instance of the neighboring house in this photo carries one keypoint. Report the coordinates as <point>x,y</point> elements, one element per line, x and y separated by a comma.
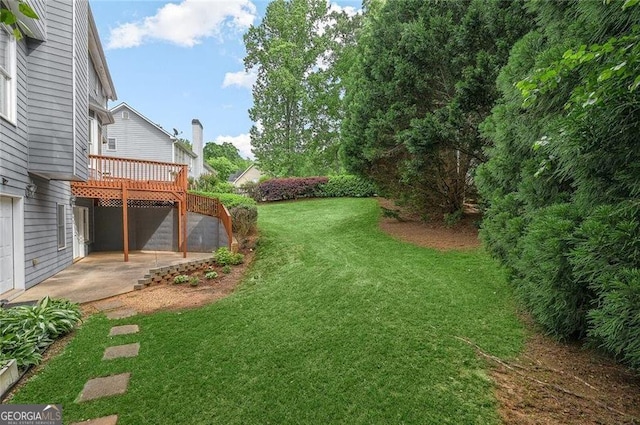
<point>54,88</point>
<point>251,174</point>
<point>132,135</point>
<point>60,198</point>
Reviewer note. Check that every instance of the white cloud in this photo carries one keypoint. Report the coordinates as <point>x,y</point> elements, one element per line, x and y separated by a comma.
<point>349,10</point>
<point>240,79</point>
<point>185,23</point>
<point>242,142</point>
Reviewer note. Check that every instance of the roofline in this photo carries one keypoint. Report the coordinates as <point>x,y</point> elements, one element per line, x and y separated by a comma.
<point>185,148</point>
<point>245,172</point>
<point>120,105</point>
<point>99,60</point>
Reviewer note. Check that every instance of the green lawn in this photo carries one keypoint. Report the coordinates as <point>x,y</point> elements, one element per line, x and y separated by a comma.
<point>335,323</point>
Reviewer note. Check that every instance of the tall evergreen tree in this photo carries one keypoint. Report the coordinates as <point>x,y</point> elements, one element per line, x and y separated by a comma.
<point>424,81</point>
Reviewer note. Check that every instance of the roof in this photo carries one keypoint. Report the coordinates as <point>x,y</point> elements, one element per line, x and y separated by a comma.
<point>125,104</point>
<point>245,172</point>
<point>99,60</point>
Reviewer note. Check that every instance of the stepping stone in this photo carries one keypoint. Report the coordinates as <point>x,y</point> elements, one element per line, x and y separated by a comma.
<point>124,330</point>
<point>121,314</point>
<point>109,305</point>
<point>104,387</point>
<point>105,420</point>
<point>118,351</point>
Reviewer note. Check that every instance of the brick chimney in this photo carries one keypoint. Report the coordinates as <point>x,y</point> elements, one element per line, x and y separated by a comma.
<point>197,142</point>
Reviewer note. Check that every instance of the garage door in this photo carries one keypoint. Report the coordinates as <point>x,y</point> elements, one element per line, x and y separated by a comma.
<point>6,244</point>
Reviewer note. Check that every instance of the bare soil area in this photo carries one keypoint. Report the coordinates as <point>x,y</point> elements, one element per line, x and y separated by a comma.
<point>549,382</point>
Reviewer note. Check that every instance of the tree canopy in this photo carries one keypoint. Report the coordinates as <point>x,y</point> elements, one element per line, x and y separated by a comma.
<point>295,52</point>
<point>423,81</point>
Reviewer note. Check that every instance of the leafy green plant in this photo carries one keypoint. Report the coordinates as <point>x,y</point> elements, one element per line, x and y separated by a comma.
<point>181,278</point>
<point>211,275</point>
<point>226,269</point>
<point>224,257</point>
<point>194,281</point>
<point>346,185</point>
<point>27,331</point>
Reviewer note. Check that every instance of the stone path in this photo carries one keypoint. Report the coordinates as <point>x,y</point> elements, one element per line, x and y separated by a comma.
<point>107,386</point>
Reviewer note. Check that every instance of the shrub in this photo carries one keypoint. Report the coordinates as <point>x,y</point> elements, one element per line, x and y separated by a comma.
<point>544,276</point>
<point>229,200</point>
<point>290,188</point>
<point>607,256</point>
<point>224,187</point>
<point>226,269</point>
<point>194,281</point>
<point>451,219</point>
<point>181,278</point>
<point>27,331</point>
<point>251,189</point>
<point>224,257</point>
<point>244,219</point>
<point>211,275</point>
<point>204,183</point>
<point>346,186</point>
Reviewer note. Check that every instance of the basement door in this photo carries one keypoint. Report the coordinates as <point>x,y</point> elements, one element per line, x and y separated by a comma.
<point>7,242</point>
<point>80,232</point>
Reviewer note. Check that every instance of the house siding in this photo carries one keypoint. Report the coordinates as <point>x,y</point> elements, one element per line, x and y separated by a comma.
<point>95,88</point>
<point>40,231</point>
<point>81,83</point>
<point>50,96</point>
<point>138,139</point>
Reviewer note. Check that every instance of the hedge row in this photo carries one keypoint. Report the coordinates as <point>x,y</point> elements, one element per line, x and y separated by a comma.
<point>310,187</point>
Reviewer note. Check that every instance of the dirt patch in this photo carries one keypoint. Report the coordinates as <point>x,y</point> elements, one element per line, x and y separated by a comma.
<point>409,227</point>
<point>553,383</point>
<point>549,382</point>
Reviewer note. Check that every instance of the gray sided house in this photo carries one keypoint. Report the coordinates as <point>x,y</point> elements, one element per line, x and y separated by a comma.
<point>54,88</point>
<point>133,135</point>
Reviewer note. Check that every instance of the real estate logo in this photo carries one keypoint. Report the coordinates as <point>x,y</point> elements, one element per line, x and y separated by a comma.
<point>31,414</point>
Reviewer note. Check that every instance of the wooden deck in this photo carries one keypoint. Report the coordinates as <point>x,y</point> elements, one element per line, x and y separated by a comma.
<point>133,179</point>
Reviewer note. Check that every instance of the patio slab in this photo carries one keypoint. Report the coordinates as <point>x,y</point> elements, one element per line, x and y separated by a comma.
<point>119,351</point>
<point>105,386</point>
<point>103,275</point>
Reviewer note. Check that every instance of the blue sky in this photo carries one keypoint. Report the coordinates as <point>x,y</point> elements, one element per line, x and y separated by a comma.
<point>177,60</point>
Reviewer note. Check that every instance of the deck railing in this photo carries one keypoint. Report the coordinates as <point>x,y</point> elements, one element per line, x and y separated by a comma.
<point>105,171</point>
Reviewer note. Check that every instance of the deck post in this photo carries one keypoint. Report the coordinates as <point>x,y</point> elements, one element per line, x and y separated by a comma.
<point>125,222</point>
<point>184,227</point>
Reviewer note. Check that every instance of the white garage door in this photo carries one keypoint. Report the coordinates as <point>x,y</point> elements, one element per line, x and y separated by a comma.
<point>6,244</point>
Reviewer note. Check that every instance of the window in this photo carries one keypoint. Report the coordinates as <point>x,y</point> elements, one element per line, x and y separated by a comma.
<point>125,115</point>
<point>7,74</point>
<point>62,227</point>
<point>111,143</point>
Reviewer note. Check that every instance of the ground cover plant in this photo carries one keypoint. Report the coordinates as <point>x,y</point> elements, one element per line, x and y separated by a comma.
<point>26,331</point>
<point>335,322</point>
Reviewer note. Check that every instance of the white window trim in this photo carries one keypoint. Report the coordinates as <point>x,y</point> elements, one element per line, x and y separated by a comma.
<point>64,226</point>
<point>11,74</point>
<point>115,141</point>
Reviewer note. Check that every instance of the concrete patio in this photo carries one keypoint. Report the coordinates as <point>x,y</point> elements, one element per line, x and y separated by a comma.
<point>103,275</point>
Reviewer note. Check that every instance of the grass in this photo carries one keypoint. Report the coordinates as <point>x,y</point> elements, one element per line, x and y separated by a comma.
<point>334,323</point>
